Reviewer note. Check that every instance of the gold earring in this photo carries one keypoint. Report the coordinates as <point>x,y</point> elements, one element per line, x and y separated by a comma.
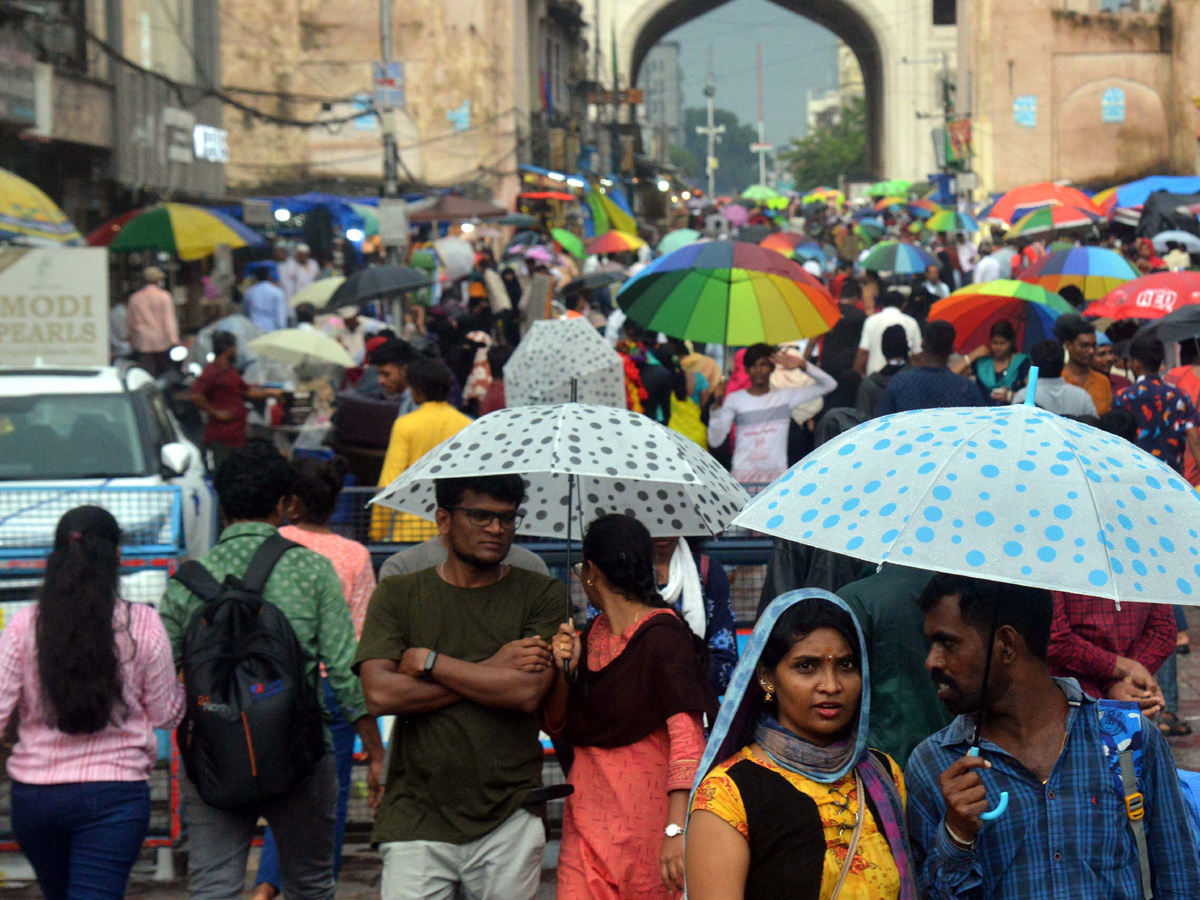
<point>590,581</point>
<point>770,691</point>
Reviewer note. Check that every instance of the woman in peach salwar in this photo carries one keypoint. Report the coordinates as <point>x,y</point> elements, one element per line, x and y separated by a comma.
<point>633,708</point>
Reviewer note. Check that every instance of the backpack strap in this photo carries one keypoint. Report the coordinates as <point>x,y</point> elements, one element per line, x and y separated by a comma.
<point>1121,731</point>
<point>265,558</point>
<point>197,579</point>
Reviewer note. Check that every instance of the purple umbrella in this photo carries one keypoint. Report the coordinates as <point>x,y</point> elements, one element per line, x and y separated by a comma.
<point>736,215</point>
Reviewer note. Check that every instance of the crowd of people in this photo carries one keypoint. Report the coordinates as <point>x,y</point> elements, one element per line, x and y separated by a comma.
<point>831,758</point>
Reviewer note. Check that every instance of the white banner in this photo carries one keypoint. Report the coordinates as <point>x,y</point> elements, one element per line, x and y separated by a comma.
<point>54,306</point>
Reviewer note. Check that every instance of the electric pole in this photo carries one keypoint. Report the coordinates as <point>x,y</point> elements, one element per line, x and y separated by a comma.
<point>710,162</point>
<point>391,171</point>
<point>762,148</point>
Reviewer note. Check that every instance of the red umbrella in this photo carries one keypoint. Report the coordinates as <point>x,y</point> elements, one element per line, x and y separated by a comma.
<point>1043,193</point>
<point>547,195</point>
<point>107,233</point>
<point>1148,297</point>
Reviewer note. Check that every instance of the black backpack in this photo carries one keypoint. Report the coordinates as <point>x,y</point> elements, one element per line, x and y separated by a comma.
<point>253,728</point>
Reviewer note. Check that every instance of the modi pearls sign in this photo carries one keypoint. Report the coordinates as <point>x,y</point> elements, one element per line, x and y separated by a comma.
<point>54,306</point>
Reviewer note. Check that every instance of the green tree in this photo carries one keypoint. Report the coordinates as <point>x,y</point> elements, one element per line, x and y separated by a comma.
<point>832,150</point>
<point>688,164</point>
<point>738,167</point>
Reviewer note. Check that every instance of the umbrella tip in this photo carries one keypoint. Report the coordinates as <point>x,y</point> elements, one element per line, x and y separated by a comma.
<point>1031,388</point>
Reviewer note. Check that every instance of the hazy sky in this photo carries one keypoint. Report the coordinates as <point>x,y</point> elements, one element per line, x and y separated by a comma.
<point>797,55</point>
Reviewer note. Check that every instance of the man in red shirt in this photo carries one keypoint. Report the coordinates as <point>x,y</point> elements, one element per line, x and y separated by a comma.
<point>221,393</point>
<point>1112,652</point>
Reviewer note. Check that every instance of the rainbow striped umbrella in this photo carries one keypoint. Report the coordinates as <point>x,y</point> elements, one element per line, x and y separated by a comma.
<point>1096,271</point>
<point>794,246</point>
<point>951,220</point>
<point>898,258</point>
<point>190,232</point>
<point>614,242</point>
<point>728,292</point>
<point>888,202</point>
<point>974,309</point>
<point>1020,201</point>
<point>1050,219</point>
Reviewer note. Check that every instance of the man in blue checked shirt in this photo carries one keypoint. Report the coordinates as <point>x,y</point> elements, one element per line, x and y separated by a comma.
<point>1065,833</point>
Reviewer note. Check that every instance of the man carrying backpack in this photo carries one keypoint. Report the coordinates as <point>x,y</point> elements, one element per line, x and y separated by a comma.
<point>1094,807</point>
<point>249,630</point>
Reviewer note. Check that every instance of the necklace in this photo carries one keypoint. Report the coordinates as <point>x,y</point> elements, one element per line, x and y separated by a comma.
<point>1056,759</point>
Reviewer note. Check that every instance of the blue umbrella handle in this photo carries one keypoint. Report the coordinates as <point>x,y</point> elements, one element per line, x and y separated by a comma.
<point>1001,806</point>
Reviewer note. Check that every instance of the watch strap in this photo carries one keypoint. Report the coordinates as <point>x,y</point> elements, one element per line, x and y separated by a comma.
<point>427,669</point>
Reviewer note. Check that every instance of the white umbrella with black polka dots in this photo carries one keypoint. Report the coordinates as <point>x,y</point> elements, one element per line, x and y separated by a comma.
<point>619,461</point>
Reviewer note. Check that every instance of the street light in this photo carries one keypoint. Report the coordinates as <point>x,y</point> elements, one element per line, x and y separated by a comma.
<point>686,195</point>
<point>664,185</point>
<point>354,235</point>
<point>282,214</point>
<point>468,227</point>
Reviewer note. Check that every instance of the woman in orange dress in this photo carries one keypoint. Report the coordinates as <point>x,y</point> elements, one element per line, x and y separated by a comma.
<point>633,711</point>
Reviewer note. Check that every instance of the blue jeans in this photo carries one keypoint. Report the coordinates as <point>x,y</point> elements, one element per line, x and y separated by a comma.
<point>343,734</point>
<point>1168,674</point>
<point>81,839</point>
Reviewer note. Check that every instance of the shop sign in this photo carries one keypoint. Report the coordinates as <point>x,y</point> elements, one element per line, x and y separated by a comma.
<point>54,306</point>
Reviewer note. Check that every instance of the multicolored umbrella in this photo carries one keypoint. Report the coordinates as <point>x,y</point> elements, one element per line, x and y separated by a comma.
<point>923,209</point>
<point>728,292</point>
<point>569,242</point>
<point>898,258</point>
<point>614,242</point>
<point>1021,201</point>
<point>974,309</point>
<point>794,246</point>
<point>760,193</point>
<point>1106,200</point>
<point>680,237</point>
<point>888,202</point>
<point>190,232</point>
<point>1148,297</point>
<point>1052,219</point>
<point>1096,271</point>
<point>869,230</point>
<point>947,220</point>
<point>28,216</point>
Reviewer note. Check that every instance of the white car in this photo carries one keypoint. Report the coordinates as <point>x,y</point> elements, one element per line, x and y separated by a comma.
<point>102,435</point>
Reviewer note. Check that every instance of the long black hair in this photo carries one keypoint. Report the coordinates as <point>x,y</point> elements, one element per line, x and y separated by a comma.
<point>78,665</point>
<point>621,548</point>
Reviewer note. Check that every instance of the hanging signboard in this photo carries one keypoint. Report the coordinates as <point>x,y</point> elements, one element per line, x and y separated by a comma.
<point>54,306</point>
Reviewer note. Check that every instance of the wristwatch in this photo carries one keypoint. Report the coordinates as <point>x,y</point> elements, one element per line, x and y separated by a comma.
<point>427,669</point>
<point>674,830</point>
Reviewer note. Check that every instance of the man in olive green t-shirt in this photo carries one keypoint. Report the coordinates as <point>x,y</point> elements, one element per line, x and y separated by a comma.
<point>459,654</point>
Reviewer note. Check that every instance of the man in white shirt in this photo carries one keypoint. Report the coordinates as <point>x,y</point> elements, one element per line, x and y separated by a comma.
<point>762,415</point>
<point>988,267</point>
<point>870,358</point>
<point>1054,393</point>
<point>967,254</point>
<point>298,272</point>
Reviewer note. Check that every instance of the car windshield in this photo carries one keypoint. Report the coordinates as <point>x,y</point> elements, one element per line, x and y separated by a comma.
<point>60,436</point>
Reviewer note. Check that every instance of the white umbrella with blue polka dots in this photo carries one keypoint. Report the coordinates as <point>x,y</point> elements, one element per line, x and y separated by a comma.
<point>1009,493</point>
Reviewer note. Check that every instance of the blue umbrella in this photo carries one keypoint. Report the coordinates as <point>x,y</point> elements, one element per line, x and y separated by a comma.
<point>1009,493</point>
<point>898,258</point>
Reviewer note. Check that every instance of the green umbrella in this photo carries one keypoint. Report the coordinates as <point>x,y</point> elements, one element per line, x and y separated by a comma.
<point>760,193</point>
<point>568,242</point>
<point>680,237</point>
<point>897,186</point>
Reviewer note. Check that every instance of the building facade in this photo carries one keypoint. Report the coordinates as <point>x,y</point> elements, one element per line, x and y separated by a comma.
<point>661,112</point>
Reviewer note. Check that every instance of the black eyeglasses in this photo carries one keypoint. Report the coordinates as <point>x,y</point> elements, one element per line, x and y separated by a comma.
<point>483,518</point>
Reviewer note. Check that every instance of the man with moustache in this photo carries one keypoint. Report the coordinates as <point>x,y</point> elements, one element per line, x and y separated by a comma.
<point>1066,833</point>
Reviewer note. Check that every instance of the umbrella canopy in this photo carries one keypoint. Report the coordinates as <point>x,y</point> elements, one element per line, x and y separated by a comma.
<point>896,187</point>
<point>951,220</point>
<point>728,292</point>
<point>569,242</point>
<point>869,230</point>
<point>783,242</point>
<point>923,209</point>
<point>898,258</point>
<point>1096,271</point>
<point>1136,193</point>
<point>189,232</point>
<point>1106,200</point>
<point>456,256</point>
<point>736,215</point>
<point>680,237</point>
<point>518,220</point>
<point>554,352</point>
<point>594,280</point>
<point>754,233</point>
<point>974,309</point>
<point>1149,297</point>
<point>614,242</point>
<point>522,241</point>
<point>317,293</point>
<point>623,462</point>
<point>561,196</point>
<point>375,283</point>
<point>296,347</point>
<point>1181,325</point>
<point>889,202</point>
<point>1189,242</point>
<point>1020,201</point>
<point>452,208</point>
<point>540,254</point>
<point>28,216</point>
<point>1052,219</point>
<point>1007,493</point>
<point>760,193</point>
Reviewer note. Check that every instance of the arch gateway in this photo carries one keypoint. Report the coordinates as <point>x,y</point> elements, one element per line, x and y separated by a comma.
<point>898,47</point>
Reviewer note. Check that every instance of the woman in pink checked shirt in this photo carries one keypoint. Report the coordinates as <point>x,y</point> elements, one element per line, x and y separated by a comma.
<point>91,677</point>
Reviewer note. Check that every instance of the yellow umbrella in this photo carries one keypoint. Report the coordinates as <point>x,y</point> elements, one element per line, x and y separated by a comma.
<point>28,216</point>
<point>317,293</point>
<point>295,346</point>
